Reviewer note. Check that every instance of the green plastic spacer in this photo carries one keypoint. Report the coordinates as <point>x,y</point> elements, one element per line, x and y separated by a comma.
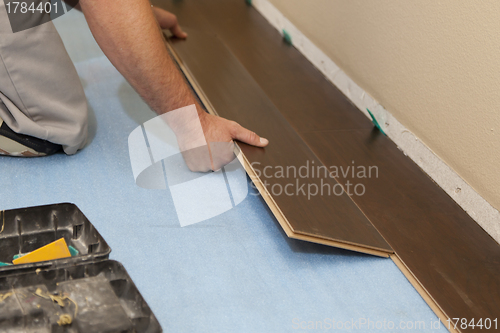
<point>287,37</point>
<point>17,256</point>
<point>73,251</point>
<point>375,122</point>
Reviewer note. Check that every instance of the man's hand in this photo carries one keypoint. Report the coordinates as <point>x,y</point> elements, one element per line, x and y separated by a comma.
<point>206,141</point>
<point>220,133</point>
<point>217,129</point>
<point>167,20</point>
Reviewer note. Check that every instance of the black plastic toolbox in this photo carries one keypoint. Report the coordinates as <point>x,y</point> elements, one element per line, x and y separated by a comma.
<point>97,294</point>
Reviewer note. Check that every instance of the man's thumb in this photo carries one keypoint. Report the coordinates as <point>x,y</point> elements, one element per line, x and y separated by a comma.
<point>246,136</point>
<point>177,31</point>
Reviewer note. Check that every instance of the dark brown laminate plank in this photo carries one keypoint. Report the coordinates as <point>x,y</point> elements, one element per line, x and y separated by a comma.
<point>293,84</point>
<point>456,261</point>
<point>235,95</point>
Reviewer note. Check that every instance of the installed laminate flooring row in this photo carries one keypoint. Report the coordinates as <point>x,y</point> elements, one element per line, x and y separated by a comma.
<point>451,256</point>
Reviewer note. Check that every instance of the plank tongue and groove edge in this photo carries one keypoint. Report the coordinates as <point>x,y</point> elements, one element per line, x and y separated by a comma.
<point>227,89</point>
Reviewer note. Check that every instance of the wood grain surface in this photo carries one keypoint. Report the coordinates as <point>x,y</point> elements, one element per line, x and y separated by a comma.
<point>289,80</point>
<point>455,260</point>
<point>235,95</point>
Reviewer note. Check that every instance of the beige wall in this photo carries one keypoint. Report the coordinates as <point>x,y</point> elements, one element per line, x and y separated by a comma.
<point>435,65</point>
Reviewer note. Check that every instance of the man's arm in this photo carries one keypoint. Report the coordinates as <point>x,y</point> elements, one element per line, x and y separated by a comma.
<point>129,36</point>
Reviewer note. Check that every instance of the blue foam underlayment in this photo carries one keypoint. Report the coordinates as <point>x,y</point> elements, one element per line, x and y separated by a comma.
<point>237,272</point>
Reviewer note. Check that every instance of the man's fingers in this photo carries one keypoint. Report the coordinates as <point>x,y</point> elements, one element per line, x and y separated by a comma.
<point>197,159</point>
<point>242,134</point>
<point>167,20</point>
<point>222,153</point>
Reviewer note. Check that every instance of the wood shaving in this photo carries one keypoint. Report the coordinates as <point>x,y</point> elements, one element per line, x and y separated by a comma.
<point>39,293</point>
<point>3,297</point>
<point>65,319</point>
<point>3,221</point>
<point>55,298</point>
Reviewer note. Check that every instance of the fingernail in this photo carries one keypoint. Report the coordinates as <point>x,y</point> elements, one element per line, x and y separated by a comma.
<point>264,141</point>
